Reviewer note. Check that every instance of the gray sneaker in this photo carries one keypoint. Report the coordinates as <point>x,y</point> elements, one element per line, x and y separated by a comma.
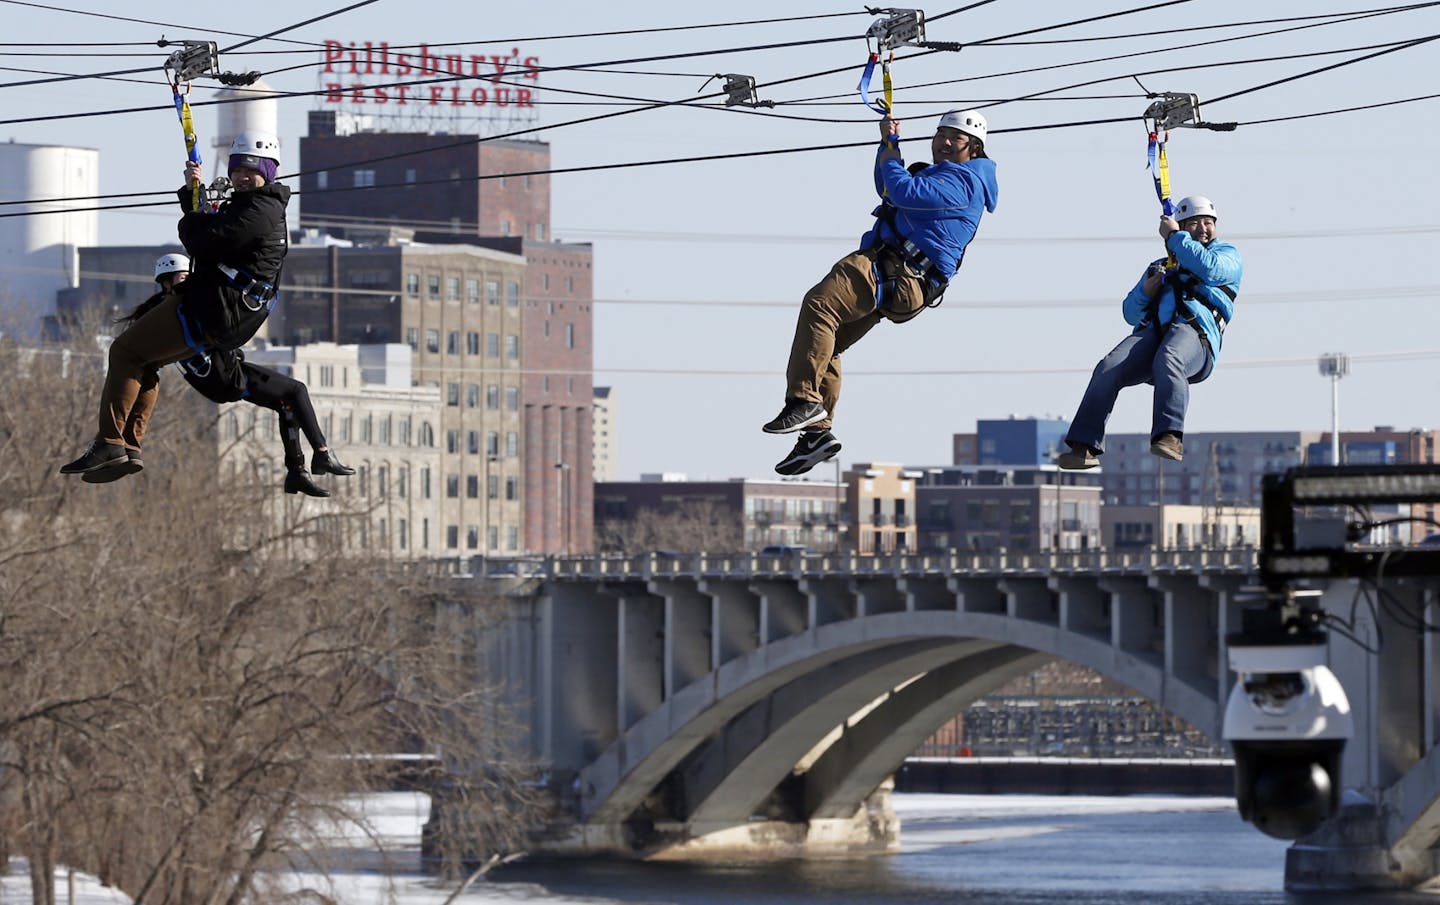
<point>1168,446</point>
<point>796,414</point>
<point>131,464</point>
<point>99,456</point>
<point>1078,458</point>
<point>810,450</point>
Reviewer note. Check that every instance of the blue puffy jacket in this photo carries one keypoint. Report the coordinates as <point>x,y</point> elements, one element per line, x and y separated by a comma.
<point>937,208</point>
<point>1205,269</point>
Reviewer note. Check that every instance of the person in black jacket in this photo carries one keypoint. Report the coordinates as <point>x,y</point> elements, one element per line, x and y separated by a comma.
<point>227,377</point>
<point>238,251</point>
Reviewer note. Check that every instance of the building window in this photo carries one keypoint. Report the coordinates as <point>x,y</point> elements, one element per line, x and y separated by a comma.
<point>327,375</point>
<point>492,396</point>
<point>412,284</point>
<point>492,443</point>
<point>472,486</point>
<point>492,486</point>
<point>570,285</point>
<point>425,483</point>
<point>472,443</point>
<point>452,536</point>
<point>512,398</point>
<point>492,345</point>
<point>569,336</point>
<point>452,287</point>
<point>432,340</point>
<point>409,175</point>
<point>492,292</point>
<point>472,538</point>
<point>367,429</point>
<point>504,227</point>
<point>492,538</point>
<point>452,342</point>
<point>427,435</point>
<point>512,294</point>
<point>322,180</point>
<point>432,285</point>
<point>364,178</point>
<point>404,431</point>
<point>412,338</point>
<point>512,346</point>
<point>545,281</point>
<point>472,291</point>
<point>452,394</point>
<point>512,443</point>
<point>472,395</point>
<point>452,486</point>
<point>472,343</point>
<point>452,441</point>
<point>512,537</point>
<point>540,232</point>
<point>512,488</point>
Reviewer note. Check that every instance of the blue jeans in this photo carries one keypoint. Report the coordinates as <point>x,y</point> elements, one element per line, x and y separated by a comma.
<point>1167,359</point>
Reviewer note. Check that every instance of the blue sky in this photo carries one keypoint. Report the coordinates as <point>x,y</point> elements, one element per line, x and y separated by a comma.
<point>1334,215</point>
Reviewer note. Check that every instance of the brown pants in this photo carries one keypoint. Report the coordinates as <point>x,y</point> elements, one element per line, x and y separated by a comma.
<point>833,316</point>
<point>132,384</point>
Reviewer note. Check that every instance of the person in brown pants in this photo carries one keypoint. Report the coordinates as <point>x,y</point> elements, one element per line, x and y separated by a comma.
<point>237,253</point>
<point>927,216</point>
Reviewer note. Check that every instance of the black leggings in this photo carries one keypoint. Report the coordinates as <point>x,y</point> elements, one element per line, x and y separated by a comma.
<point>291,401</point>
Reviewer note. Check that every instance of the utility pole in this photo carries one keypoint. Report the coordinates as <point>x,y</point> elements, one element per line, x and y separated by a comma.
<point>1334,365</point>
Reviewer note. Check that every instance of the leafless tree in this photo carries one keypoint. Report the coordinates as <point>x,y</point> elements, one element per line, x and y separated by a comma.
<point>197,675</point>
<point>689,527</point>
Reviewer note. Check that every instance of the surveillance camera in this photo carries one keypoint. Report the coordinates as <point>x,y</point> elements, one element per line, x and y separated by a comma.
<point>1287,722</point>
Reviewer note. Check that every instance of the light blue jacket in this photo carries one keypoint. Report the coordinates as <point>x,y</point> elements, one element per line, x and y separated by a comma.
<point>938,208</point>
<point>1207,269</point>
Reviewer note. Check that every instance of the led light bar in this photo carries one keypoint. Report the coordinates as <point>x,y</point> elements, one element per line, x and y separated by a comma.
<point>1365,484</point>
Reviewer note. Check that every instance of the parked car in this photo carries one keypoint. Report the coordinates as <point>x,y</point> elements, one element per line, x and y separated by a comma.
<point>784,550</point>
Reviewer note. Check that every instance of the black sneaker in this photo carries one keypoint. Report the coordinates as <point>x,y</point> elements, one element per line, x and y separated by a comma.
<point>117,471</point>
<point>810,450</point>
<point>99,456</point>
<point>795,415</point>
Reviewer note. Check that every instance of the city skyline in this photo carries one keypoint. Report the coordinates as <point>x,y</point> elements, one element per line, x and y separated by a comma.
<point>699,266</point>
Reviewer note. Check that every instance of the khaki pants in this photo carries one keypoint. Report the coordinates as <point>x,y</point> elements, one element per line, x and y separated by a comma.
<point>132,384</point>
<point>833,316</point>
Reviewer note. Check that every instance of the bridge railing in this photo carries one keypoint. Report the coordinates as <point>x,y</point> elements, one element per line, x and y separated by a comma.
<point>1135,561</point>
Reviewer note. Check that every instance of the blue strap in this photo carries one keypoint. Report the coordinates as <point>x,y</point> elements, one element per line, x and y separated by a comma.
<point>190,339</point>
<point>864,86</point>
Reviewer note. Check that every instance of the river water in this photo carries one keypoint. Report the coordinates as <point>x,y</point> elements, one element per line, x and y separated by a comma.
<point>991,850</point>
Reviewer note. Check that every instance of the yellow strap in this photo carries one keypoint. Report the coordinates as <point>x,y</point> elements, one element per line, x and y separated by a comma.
<point>889,90</point>
<point>187,125</point>
<point>1164,165</point>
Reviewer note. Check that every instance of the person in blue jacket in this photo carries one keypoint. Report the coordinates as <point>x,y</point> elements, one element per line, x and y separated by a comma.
<point>927,216</point>
<point>1179,309</point>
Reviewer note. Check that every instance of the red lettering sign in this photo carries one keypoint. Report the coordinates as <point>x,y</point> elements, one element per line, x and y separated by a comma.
<point>380,74</point>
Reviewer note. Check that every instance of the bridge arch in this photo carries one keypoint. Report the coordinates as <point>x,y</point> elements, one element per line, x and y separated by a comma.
<point>734,735</point>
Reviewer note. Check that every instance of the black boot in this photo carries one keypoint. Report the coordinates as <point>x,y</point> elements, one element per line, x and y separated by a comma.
<point>297,481</point>
<point>324,462</point>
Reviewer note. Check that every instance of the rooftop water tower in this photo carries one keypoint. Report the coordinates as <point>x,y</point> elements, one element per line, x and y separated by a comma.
<point>240,110</point>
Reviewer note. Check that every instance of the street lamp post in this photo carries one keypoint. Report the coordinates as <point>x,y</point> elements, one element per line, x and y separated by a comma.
<point>1334,365</point>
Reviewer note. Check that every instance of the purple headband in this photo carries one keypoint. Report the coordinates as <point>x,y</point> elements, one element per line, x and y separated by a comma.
<point>263,165</point>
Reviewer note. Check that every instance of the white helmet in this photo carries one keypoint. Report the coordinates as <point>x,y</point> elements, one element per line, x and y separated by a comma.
<point>1195,206</point>
<point>257,144</point>
<point>173,263</point>
<point>971,122</point>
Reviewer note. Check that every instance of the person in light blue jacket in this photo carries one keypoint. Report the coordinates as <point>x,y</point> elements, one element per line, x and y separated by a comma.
<point>1179,308</point>
<point>927,216</point>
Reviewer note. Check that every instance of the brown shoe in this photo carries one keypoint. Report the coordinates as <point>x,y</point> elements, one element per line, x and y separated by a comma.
<point>1078,458</point>
<point>1168,446</point>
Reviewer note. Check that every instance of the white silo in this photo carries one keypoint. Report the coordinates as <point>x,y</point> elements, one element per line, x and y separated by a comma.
<point>39,249</point>
<point>252,107</point>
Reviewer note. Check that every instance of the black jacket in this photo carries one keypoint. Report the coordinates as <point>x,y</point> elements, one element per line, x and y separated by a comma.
<point>249,234</point>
